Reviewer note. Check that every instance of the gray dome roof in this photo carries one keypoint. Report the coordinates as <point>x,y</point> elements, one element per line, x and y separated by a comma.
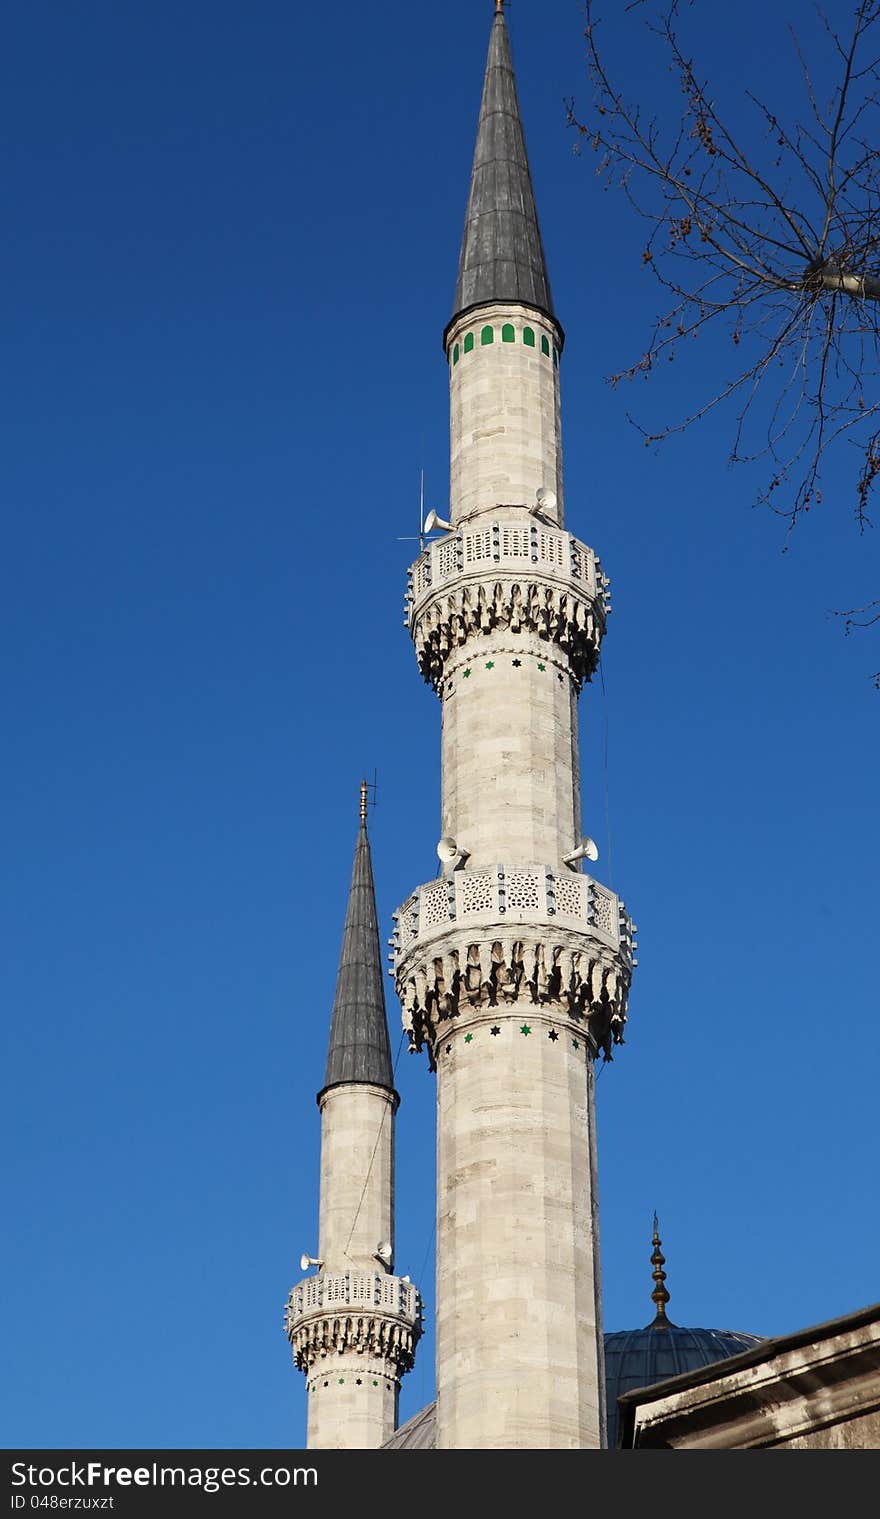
<point>633,1358</point>
<point>641,1357</point>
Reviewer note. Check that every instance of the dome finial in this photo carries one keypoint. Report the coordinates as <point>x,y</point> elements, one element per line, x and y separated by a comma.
<point>659,1296</point>
<point>499,7</point>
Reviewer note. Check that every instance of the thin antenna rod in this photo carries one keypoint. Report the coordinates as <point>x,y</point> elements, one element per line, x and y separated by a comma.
<point>421,538</point>
<point>366,799</point>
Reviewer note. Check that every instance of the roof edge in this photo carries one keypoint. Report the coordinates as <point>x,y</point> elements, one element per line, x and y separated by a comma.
<point>500,300</point>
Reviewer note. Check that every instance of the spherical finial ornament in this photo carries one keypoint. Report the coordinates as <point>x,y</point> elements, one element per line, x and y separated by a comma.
<point>363,804</point>
<point>660,1297</point>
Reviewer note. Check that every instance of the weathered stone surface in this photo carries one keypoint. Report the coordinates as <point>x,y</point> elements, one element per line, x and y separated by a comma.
<point>505,429</point>
<point>816,1389</point>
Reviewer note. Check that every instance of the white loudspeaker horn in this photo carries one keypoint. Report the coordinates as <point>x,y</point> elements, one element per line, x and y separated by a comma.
<point>448,851</point>
<point>384,1252</point>
<point>305,1261</point>
<point>587,850</point>
<point>546,499</point>
<point>432,522</point>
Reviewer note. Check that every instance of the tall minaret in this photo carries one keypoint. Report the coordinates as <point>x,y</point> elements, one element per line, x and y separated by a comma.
<point>354,1326</point>
<point>512,966</point>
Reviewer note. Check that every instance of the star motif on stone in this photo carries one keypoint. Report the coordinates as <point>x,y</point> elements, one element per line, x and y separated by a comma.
<point>342,1381</point>
<point>468,1038</point>
<point>525,1029</point>
<point>541,665</point>
<point>466,674</point>
<point>516,663</point>
<point>358,1381</point>
<point>490,664</point>
<point>494,1030</point>
<point>449,1049</point>
<point>553,1035</point>
<point>575,1045</point>
<point>560,678</point>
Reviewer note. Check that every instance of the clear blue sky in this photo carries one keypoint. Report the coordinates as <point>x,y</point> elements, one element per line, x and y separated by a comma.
<point>230,252</point>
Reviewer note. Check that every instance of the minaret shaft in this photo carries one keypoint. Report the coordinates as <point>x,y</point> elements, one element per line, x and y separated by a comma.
<point>357,1176</point>
<point>517,1320</point>
<point>505,429</point>
<point>515,794</point>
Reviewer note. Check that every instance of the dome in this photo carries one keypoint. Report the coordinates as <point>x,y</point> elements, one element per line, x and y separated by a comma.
<point>640,1357</point>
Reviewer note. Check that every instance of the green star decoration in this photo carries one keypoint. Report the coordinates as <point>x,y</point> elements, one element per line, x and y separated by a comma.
<point>468,1038</point>
<point>541,665</point>
<point>575,1045</point>
<point>466,674</point>
<point>490,664</point>
<point>525,1029</point>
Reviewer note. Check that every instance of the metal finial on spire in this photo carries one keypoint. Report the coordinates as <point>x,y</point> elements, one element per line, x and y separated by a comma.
<point>659,1296</point>
<point>364,789</point>
<point>499,7</point>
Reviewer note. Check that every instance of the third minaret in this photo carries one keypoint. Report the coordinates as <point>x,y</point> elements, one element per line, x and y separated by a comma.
<point>512,966</point>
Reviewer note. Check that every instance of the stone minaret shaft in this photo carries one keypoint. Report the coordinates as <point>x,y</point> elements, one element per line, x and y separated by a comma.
<point>354,1326</point>
<point>513,967</point>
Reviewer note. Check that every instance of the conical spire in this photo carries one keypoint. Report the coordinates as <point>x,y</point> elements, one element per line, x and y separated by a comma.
<point>502,257</point>
<point>359,1047</point>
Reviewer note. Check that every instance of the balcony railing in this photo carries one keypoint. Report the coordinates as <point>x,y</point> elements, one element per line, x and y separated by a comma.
<point>331,1292</point>
<point>512,546</point>
<point>515,895</point>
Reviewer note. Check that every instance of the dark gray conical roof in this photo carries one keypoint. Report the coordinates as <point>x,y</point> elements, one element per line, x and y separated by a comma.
<point>359,1047</point>
<point>502,256</point>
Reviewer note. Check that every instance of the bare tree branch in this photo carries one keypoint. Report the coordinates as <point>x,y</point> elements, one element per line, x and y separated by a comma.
<point>778,247</point>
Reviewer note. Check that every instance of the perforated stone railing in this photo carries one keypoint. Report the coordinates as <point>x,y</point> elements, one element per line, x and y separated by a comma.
<point>523,894</point>
<point>362,1312</point>
<point>366,1289</point>
<point>516,546</point>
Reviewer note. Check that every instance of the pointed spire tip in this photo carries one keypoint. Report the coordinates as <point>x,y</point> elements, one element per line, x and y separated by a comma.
<point>359,1048</point>
<point>502,256</point>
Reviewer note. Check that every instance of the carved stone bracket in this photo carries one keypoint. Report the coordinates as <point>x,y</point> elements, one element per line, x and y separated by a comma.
<point>565,617</point>
<point>357,1334</point>
<point>586,980</point>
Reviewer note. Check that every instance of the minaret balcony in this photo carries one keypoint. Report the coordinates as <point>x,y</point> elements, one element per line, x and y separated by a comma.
<point>513,574</point>
<point>366,1312</point>
<point>511,934</point>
